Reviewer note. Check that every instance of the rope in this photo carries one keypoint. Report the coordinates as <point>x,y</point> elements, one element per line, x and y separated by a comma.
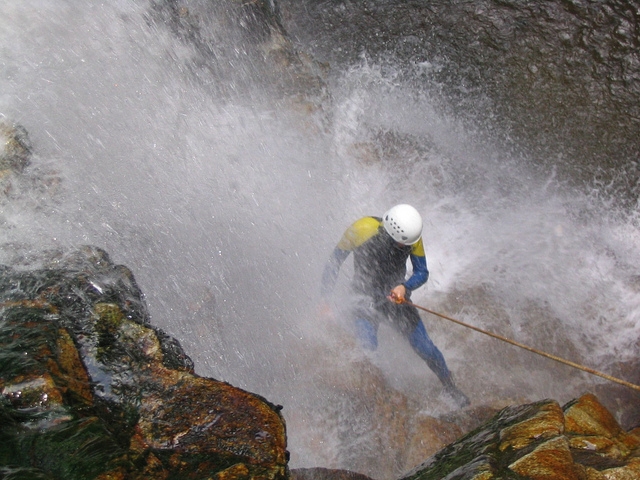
<point>531,349</point>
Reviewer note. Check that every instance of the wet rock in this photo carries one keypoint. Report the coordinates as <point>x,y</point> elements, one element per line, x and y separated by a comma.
<point>15,148</point>
<point>561,78</point>
<point>540,441</point>
<point>325,474</point>
<point>593,429</point>
<point>368,425</point>
<point>244,40</point>
<point>90,389</point>
<point>22,181</point>
<point>15,154</point>
<point>427,434</point>
<point>550,459</point>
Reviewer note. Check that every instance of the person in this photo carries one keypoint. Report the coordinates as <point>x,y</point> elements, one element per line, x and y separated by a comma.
<point>381,247</point>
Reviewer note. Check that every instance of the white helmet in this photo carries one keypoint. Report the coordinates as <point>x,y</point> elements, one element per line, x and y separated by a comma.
<point>403,223</point>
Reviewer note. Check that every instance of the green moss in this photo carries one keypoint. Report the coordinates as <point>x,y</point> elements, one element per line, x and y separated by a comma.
<point>44,441</point>
<point>108,320</point>
<point>27,337</point>
<point>73,450</point>
<point>22,473</point>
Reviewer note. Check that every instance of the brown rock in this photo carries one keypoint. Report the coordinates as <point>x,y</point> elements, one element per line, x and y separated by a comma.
<point>551,460</point>
<point>190,414</point>
<point>547,423</point>
<point>71,373</point>
<point>587,416</point>
<point>15,148</point>
<point>539,442</point>
<point>98,375</point>
<point>591,427</point>
<point>427,436</point>
<point>631,471</point>
<point>38,391</point>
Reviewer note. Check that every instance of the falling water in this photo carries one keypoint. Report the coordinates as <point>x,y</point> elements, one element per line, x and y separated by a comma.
<point>225,196</point>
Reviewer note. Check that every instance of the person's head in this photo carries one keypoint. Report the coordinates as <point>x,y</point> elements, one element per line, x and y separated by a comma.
<point>403,223</point>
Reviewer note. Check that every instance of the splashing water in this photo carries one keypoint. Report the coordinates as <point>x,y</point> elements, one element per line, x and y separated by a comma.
<point>225,209</point>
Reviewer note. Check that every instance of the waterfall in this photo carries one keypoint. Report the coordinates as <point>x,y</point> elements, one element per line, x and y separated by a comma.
<point>223,185</point>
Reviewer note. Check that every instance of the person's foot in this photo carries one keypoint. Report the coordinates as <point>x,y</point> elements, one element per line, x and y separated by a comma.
<point>460,399</point>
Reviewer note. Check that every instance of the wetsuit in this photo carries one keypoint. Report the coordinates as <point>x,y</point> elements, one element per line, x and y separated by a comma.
<point>380,264</point>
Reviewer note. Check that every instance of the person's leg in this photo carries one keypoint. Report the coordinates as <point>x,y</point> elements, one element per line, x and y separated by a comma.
<point>367,333</point>
<point>427,350</point>
<point>410,323</point>
<point>366,323</point>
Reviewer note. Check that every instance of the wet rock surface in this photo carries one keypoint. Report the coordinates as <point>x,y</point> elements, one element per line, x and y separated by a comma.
<point>90,389</point>
<point>243,38</point>
<point>88,386</point>
<point>15,148</point>
<point>581,440</point>
<point>562,78</point>
<point>325,474</point>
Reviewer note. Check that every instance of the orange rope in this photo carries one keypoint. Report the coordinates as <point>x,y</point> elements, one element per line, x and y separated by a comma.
<point>531,349</point>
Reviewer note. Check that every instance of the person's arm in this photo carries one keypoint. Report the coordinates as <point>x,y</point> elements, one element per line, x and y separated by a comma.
<point>418,278</point>
<point>331,270</point>
<point>420,273</point>
<point>358,232</point>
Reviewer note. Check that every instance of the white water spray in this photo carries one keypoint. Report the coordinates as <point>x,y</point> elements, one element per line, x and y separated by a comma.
<point>225,211</point>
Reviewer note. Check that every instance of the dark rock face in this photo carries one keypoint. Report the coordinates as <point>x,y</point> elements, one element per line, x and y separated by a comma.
<point>238,42</point>
<point>562,77</point>
<point>89,389</point>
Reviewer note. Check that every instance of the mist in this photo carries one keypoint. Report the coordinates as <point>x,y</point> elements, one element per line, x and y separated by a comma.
<point>226,206</point>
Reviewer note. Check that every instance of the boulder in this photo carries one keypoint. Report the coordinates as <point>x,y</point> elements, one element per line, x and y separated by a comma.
<point>540,441</point>
<point>90,389</point>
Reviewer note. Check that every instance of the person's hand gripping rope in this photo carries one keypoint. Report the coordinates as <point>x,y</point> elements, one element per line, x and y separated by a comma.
<point>398,294</point>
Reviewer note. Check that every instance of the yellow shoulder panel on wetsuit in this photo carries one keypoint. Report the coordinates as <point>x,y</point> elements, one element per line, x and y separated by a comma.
<point>359,232</point>
<point>418,248</point>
